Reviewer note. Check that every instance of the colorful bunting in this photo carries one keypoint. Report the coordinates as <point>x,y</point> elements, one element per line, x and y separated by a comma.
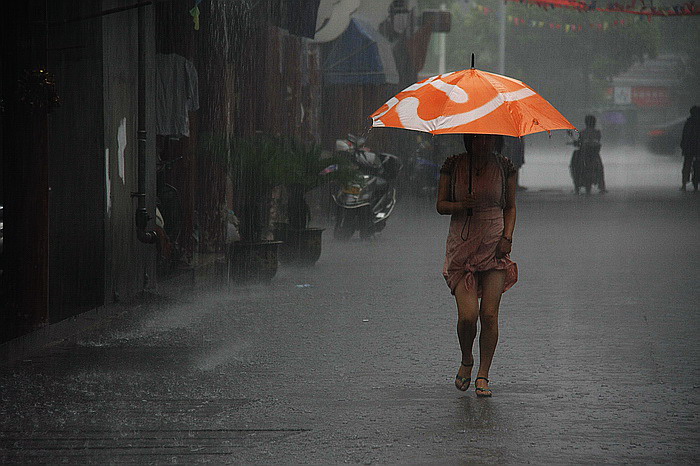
<point>688,8</point>
<point>514,20</point>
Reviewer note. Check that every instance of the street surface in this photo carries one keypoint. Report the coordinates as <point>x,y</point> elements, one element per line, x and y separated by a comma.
<point>354,360</point>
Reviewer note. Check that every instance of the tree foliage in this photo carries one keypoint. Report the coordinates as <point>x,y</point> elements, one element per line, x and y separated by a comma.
<point>563,66</point>
<point>682,36</point>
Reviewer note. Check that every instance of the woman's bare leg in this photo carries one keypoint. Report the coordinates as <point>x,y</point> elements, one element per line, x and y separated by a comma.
<point>467,315</point>
<point>492,282</point>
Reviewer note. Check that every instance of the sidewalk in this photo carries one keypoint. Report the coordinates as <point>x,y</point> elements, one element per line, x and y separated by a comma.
<point>353,360</point>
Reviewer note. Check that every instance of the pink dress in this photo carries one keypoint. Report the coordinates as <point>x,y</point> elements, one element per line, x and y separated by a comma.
<point>472,241</point>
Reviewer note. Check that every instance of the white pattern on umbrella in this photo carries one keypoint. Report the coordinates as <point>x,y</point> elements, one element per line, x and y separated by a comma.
<point>452,91</point>
<point>407,109</point>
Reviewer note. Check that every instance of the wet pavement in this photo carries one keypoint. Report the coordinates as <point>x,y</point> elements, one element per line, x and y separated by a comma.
<point>353,360</point>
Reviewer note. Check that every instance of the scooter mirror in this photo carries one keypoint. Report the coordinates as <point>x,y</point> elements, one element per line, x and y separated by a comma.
<point>341,145</point>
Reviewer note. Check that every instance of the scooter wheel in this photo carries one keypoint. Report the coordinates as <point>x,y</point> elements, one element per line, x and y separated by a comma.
<point>367,228</point>
<point>366,233</point>
<point>344,226</point>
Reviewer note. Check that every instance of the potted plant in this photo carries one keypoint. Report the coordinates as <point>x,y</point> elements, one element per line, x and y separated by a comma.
<point>254,166</point>
<point>305,168</point>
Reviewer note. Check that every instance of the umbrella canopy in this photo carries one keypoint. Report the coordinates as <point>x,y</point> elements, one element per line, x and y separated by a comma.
<point>470,101</point>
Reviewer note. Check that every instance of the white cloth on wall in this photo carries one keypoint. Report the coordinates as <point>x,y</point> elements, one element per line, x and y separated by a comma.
<point>177,93</point>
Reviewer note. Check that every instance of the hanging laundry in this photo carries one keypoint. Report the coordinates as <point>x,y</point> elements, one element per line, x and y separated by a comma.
<point>177,94</point>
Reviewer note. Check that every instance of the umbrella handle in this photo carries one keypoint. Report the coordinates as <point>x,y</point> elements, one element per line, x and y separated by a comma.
<point>470,211</point>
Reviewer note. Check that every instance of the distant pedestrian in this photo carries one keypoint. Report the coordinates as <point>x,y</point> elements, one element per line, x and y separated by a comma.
<point>480,182</point>
<point>514,149</point>
<point>586,164</point>
<point>690,147</point>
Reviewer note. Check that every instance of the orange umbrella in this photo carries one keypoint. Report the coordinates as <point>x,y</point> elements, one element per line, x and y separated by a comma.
<point>470,101</point>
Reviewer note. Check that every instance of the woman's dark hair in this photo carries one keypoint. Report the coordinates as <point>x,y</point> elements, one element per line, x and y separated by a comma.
<point>469,140</point>
<point>590,121</point>
<point>500,142</point>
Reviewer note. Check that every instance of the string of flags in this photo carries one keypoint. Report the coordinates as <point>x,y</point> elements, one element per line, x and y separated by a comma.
<point>635,7</point>
<point>566,27</point>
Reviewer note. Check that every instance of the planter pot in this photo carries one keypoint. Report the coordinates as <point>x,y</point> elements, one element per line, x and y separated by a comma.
<point>299,247</point>
<point>253,261</point>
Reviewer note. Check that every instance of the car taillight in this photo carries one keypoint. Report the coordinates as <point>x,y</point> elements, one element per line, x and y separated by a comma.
<point>657,132</point>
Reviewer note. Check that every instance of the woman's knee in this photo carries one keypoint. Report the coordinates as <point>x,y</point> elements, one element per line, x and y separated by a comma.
<point>467,319</point>
<point>489,317</point>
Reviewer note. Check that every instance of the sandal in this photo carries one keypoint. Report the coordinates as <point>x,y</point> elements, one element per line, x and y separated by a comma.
<point>482,392</point>
<point>462,383</point>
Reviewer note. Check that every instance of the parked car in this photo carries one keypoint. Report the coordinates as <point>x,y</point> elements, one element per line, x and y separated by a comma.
<point>666,139</point>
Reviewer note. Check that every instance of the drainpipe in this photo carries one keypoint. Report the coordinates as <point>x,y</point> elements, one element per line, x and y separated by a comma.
<point>141,216</point>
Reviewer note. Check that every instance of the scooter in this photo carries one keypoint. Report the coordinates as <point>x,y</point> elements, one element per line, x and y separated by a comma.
<point>367,202</point>
<point>169,215</point>
<point>424,173</point>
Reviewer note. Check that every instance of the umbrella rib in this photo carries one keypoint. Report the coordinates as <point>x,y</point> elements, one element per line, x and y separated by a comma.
<point>447,102</point>
<point>501,98</point>
<point>449,99</point>
<point>502,90</point>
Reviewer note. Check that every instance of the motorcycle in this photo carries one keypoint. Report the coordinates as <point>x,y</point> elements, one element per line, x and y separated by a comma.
<point>424,173</point>
<point>169,215</point>
<point>367,202</point>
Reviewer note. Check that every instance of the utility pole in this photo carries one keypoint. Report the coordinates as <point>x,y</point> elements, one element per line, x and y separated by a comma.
<point>502,37</point>
<point>442,46</point>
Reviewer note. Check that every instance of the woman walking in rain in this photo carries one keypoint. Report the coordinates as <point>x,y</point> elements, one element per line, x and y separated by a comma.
<point>478,189</point>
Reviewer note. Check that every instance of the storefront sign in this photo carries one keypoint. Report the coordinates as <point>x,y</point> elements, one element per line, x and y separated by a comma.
<point>623,95</point>
<point>651,97</point>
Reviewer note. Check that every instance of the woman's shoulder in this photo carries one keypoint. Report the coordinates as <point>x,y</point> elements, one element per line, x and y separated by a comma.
<point>508,167</point>
<point>450,163</point>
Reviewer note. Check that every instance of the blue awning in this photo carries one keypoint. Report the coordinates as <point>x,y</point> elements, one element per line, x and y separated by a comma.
<point>360,55</point>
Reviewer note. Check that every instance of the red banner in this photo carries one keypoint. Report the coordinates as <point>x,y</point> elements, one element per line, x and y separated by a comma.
<point>682,9</point>
<point>651,96</point>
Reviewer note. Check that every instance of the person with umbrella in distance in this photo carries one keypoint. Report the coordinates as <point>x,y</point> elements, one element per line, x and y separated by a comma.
<point>477,188</point>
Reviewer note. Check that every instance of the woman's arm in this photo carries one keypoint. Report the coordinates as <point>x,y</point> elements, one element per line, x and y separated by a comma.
<point>509,209</point>
<point>506,241</point>
<point>446,207</point>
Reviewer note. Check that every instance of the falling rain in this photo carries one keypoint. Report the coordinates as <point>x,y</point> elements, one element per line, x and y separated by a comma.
<point>349,231</point>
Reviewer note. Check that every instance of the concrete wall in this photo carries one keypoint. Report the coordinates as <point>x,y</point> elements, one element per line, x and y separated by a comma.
<point>130,265</point>
<point>76,164</point>
<point>95,257</point>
